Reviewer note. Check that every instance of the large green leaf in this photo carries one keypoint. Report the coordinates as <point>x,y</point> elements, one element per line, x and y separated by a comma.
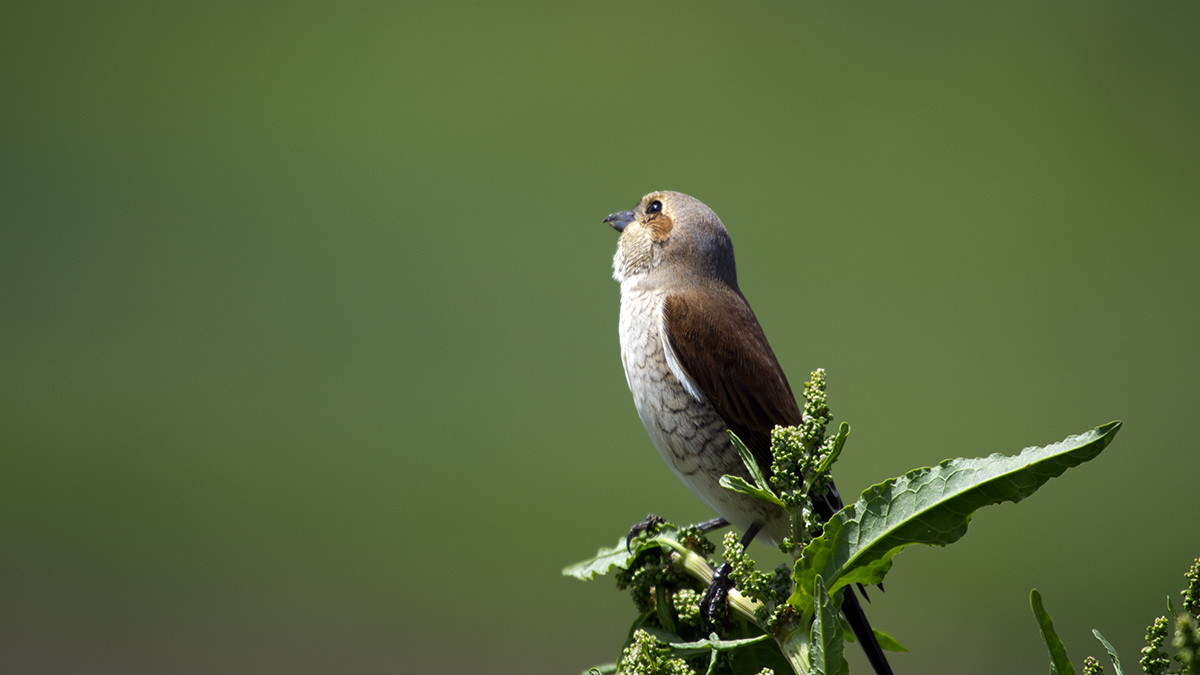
<point>931,506</point>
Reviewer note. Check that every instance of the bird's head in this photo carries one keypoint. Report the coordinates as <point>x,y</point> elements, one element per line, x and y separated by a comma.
<point>673,235</point>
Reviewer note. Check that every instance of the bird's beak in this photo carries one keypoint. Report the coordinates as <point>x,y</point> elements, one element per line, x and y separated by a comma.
<point>619,220</point>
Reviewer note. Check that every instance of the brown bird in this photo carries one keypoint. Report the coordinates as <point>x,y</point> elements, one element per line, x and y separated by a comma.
<point>698,363</point>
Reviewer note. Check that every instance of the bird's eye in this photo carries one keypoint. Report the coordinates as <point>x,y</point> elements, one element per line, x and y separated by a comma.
<point>655,207</point>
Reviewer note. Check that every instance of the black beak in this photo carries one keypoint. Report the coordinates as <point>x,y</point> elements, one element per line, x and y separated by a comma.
<point>620,220</point>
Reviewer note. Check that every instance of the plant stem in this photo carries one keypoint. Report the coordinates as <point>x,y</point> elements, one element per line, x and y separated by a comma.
<point>698,567</point>
<point>795,647</point>
<point>794,644</point>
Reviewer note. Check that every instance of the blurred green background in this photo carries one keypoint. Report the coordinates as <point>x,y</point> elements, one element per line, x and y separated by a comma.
<point>309,349</point>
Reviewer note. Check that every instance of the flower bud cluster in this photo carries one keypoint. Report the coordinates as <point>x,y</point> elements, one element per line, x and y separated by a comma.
<point>647,656</point>
<point>1154,660</point>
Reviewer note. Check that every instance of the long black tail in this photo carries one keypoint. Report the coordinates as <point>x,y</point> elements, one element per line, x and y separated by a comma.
<point>863,633</point>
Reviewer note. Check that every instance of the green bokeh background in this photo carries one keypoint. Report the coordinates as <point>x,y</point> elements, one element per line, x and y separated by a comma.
<point>309,352</point>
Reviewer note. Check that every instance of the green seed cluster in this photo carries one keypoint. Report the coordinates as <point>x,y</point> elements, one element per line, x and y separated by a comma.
<point>692,538</point>
<point>781,583</point>
<point>646,656</point>
<point>788,546</point>
<point>816,409</point>
<point>752,583</point>
<point>687,606</point>
<point>1154,660</point>
<point>1191,594</point>
<point>1187,641</point>
<point>778,593</point>
<point>797,452</point>
<point>651,571</point>
<point>791,463</point>
<point>1092,667</point>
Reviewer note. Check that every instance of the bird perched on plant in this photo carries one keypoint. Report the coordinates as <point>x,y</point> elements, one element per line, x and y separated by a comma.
<point>698,363</point>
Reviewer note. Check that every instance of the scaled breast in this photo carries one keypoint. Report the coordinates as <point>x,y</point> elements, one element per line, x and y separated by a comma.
<point>687,432</point>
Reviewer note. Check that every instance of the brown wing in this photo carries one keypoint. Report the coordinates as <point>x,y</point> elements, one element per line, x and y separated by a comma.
<point>720,345</point>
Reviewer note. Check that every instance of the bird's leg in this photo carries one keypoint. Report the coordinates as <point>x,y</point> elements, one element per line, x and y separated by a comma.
<point>718,591</point>
<point>652,521</point>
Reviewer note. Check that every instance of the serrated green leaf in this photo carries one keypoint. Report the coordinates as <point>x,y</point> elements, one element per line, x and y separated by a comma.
<point>826,653</point>
<point>605,560</point>
<point>740,486</point>
<point>1059,663</point>
<point>1112,653</point>
<point>931,506</point>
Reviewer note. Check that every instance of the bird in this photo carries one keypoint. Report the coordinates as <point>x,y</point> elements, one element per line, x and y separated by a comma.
<point>698,363</point>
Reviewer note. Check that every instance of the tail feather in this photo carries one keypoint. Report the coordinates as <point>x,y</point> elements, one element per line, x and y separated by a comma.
<point>863,633</point>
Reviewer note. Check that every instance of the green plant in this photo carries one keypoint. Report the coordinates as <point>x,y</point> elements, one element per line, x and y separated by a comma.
<point>789,621</point>
<point>1154,660</point>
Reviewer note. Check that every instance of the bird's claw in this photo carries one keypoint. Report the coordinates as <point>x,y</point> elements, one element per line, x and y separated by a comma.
<point>652,521</point>
<point>712,605</point>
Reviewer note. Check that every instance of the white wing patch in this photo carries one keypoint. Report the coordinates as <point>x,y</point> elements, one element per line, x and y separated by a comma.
<point>673,360</point>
